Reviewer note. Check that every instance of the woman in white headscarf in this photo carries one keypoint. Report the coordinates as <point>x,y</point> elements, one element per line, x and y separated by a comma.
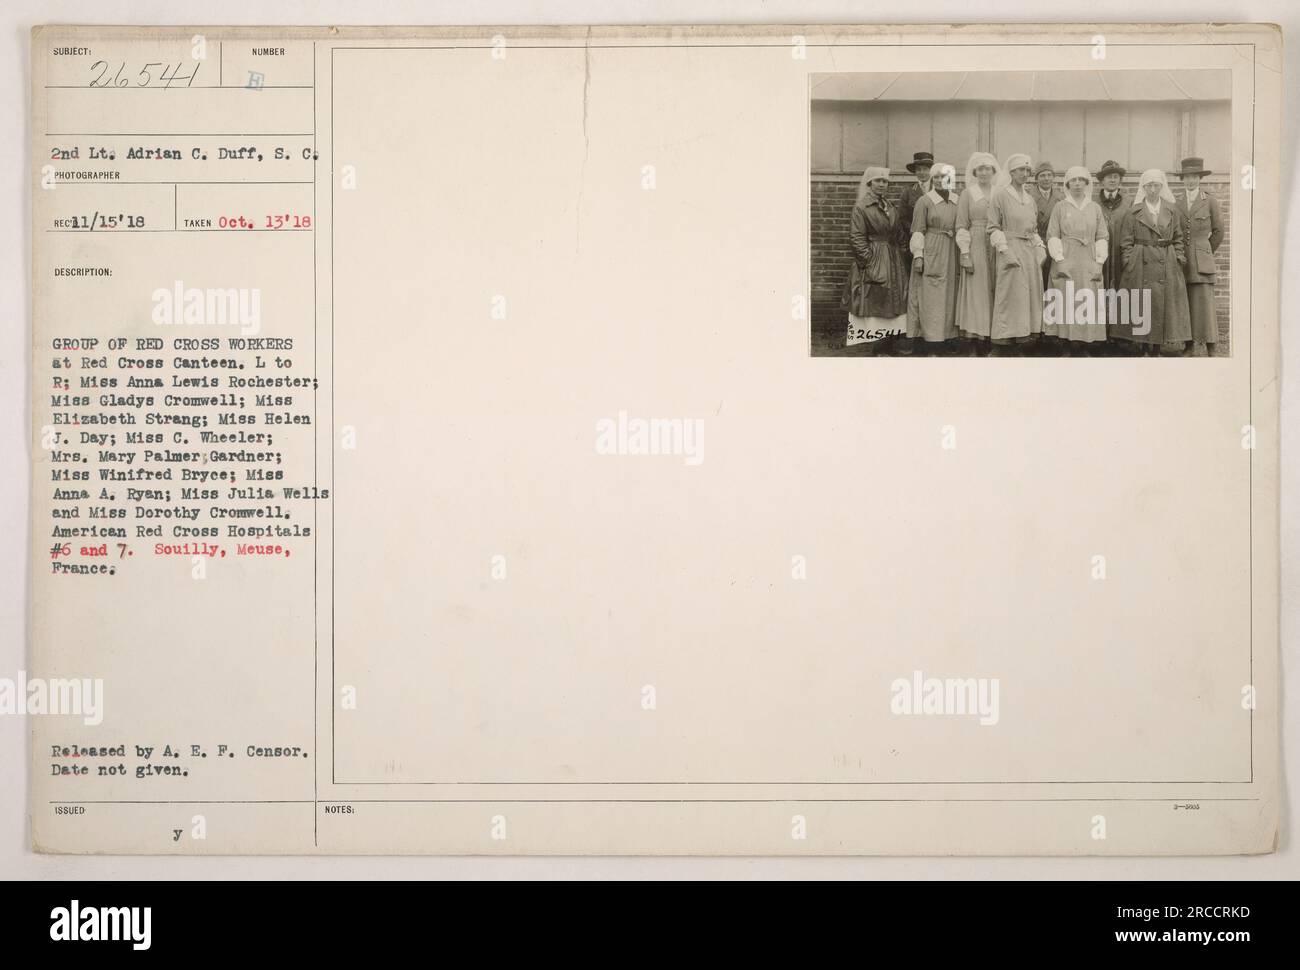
<point>1151,246</point>
<point>875,294</point>
<point>1019,254</point>
<point>932,289</point>
<point>975,300</point>
<point>1078,242</point>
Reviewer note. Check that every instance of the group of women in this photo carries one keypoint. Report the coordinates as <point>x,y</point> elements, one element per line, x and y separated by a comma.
<point>1010,265</point>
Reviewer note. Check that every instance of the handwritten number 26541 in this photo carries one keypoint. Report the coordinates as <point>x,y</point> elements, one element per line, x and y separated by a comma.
<point>154,71</point>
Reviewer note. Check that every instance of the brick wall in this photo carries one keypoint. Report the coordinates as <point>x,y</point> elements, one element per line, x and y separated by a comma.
<point>832,206</point>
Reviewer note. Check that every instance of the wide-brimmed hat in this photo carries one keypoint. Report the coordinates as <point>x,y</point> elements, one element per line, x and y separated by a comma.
<point>1044,167</point>
<point>1193,166</point>
<point>1111,167</point>
<point>919,158</point>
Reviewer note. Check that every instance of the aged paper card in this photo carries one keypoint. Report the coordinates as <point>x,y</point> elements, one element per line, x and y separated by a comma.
<point>836,440</point>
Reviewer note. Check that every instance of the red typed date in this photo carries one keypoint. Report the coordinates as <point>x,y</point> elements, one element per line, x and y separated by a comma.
<point>278,220</point>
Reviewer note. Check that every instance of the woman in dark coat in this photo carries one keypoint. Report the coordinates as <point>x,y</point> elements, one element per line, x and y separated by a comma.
<point>919,166</point>
<point>1114,207</point>
<point>1046,194</point>
<point>1151,247</point>
<point>1202,231</point>
<point>876,291</point>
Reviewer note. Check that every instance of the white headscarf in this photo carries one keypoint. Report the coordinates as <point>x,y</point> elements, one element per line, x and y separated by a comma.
<point>873,172</point>
<point>1078,172</point>
<point>944,176</point>
<point>1014,160</point>
<point>1155,175</point>
<point>974,162</point>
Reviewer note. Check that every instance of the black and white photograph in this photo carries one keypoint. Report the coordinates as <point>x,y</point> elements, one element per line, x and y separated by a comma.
<point>433,464</point>
<point>1021,213</point>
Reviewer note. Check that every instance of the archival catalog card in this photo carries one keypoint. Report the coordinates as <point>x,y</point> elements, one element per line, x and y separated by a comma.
<point>747,440</point>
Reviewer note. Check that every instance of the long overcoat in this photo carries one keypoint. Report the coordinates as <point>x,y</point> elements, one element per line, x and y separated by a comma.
<point>1153,257</point>
<point>1202,233</point>
<point>1114,210</point>
<point>877,283</point>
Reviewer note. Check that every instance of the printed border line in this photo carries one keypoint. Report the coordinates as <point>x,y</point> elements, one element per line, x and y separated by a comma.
<point>333,484</point>
<point>610,801</point>
<point>315,463</point>
<point>789,784</point>
<point>784,45</point>
<point>1250,408</point>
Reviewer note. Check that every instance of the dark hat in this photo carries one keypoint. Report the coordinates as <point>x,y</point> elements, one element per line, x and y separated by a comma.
<point>920,158</point>
<point>1110,167</point>
<point>1044,167</point>
<point>1193,166</point>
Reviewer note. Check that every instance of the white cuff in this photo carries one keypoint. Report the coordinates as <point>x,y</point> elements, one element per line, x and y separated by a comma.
<point>1101,248</point>
<point>963,241</point>
<point>917,244</point>
<point>1055,249</point>
<point>999,240</point>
